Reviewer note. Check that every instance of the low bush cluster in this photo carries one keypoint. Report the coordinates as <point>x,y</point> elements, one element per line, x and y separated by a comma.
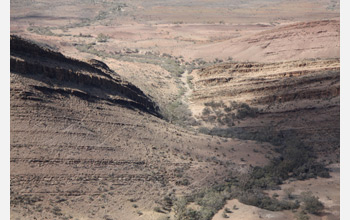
<point>210,201</point>
<point>227,114</point>
<point>102,38</point>
<point>295,160</point>
<point>312,203</point>
<point>259,199</point>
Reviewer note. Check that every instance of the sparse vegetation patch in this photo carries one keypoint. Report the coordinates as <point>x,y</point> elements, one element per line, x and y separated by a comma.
<point>222,114</point>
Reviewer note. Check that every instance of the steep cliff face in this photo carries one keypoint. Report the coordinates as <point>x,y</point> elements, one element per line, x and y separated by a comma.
<point>75,77</point>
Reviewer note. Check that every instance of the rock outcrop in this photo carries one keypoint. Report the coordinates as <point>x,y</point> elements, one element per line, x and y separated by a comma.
<point>32,60</point>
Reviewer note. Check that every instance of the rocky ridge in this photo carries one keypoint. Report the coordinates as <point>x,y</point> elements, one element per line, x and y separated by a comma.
<point>30,59</point>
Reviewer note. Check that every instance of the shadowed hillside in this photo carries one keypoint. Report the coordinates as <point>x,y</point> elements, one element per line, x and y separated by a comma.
<point>32,61</point>
<point>262,101</point>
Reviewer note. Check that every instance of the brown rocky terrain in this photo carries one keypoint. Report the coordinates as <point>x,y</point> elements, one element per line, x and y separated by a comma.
<point>244,30</point>
<point>290,41</point>
<point>24,59</point>
<point>294,96</point>
<point>92,149</point>
<point>296,101</point>
<point>174,110</point>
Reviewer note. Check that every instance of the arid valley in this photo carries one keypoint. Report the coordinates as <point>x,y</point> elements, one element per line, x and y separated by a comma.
<point>179,110</point>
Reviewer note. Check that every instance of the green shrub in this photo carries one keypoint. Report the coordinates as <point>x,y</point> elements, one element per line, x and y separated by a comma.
<point>190,214</point>
<point>168,202</point>
<point>226,115</point>
<point>224,215</point>
<point>259,199</point>
<point>158,209</point>
<point>212,199</point>
<point>289,192</point>
<point>311,203</point>
<point>227,210</point>
<point>40,30</point>
<point>102,38</point>
<point>302,216</point>
<point>183,182</point>
<point>206,111</point>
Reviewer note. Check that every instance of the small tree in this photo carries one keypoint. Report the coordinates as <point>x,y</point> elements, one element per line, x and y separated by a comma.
<point>224,215</point>
<point>206,111</point>
<point>311,203</point>
<point>289,192</point>
<point>102,38</point>
<point>302,216</point>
